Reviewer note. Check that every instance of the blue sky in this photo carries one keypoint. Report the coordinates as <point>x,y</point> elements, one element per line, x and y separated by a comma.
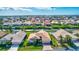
<point>39,11</point>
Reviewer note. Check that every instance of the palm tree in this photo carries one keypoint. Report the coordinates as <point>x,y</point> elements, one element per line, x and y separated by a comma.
<point>61,40</point>
<point>68,38</point>
<point>8,43</point>
<point>1,27</point>
<point>77,34</point>
<point>35,41</point>
<point>10,28</point>
<point>70,43</point>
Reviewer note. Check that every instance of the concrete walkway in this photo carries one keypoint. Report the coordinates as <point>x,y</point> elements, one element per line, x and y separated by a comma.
<point>76,42</point>
<point>47,48</point>
<point>46,44</point>
<point>13,48</point>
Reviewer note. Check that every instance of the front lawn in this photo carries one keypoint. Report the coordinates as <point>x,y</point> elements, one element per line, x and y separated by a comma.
<point>30,48</point>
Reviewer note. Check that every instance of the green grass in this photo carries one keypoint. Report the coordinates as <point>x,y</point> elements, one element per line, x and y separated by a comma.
<point>53,26</point>
<point>31,48</point>
<point>54,41</point>
<point>3,49</point>
<point>25,47</point>
<point>63,26</point>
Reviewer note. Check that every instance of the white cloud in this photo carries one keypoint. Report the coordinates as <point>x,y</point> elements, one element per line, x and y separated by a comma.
<point>28,9</point>
<point>25,9</point>
<point>2,8</point>
<point>44,8</point>
<point>5,8</point>
<point>16,8</point>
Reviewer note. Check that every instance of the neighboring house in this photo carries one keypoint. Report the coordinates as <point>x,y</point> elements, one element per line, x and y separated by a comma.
<point>7,37</point>
<point>63,33</point>
<point>15,38</point>
<point>18,37</point>
<point>2,33</point>
<point>76,32</point>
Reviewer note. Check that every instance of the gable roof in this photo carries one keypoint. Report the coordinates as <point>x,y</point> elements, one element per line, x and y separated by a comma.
<point>2,33</point>
<point>43,34</point>
<point>63,33</point>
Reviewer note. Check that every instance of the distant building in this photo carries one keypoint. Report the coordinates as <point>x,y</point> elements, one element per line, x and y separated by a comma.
<point>54,22</point>
<point>47,22</point>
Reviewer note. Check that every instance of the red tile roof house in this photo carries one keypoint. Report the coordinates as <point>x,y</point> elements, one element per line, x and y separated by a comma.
<point>44,36</point>
<point>41,34</point>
